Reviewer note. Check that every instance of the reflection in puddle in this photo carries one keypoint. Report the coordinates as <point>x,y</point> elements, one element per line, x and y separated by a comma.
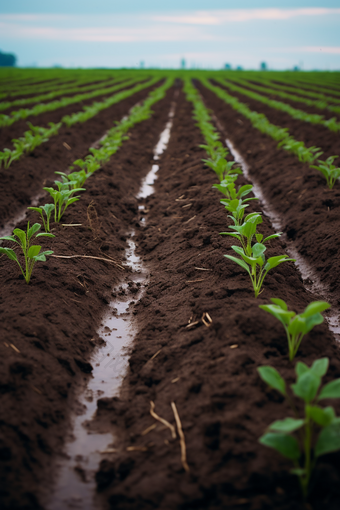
<point>310,278</point>
<point>75,488</point>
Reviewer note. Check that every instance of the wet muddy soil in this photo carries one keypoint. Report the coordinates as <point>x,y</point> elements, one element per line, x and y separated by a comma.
<point>48,328</point>
<point>25,177</point>
<point>207,369</point>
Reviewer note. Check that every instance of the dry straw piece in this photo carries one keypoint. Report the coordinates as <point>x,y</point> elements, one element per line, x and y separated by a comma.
<point>162,420</point>
<point>181,438</point>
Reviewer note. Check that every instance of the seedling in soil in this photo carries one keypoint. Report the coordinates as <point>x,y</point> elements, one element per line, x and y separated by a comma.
<point>305,154</point>
<point>31,253</point>
<point>328,170</point>
<point>222,167</point>
<point>47,209</point>
<point>236,204</point>
<point>281,435</point>
<point>256,265</point>
<point>63,197</point>
<point>296,326</point>
<point>246,232</point>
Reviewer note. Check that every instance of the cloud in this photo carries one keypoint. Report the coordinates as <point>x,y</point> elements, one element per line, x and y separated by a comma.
<point>105,34</point>
<point>335,50</point>
<point>214,17</point>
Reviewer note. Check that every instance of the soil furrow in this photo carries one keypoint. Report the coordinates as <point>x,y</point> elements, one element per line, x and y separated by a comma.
<point>8,133</point>
<point>311,134</point>
<point>308,209</point>
<point>48,329</point>
<point>209,372</point>
<point>27,176</point>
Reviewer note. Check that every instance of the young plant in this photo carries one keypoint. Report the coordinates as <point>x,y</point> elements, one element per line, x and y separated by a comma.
<point>32,253</point>
<point>281,435</point>
<point>63,197</point>
<point>47,209</point>
<point>222,167</point>
<point>296,326</point>
<point>328,170</point>
<point>256,265</point>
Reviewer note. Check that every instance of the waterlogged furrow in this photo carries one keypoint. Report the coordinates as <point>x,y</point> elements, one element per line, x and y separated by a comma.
<point>110,363</point>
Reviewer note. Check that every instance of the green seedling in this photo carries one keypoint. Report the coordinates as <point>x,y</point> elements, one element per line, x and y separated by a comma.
<point>311,442</point>
<point>222,167</point>
<point>32,253</point>
<point>47,209</point>
<point>305,154</point>
<point>296,326</point>
<point>226,185</point>
<point>328,170</point>
<point>256,265</point>
<point>63,197</point>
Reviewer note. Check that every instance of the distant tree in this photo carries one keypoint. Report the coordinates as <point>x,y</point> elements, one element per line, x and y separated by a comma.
<point>7,59</point>
<point>263,66</point>
<point>239,68</point>
<point>183,63</point>
<point>227,66</point>
<point>141,65</point>
<point>296,68</point>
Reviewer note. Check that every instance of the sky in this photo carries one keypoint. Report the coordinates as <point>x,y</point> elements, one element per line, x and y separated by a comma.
<point>152,33</point>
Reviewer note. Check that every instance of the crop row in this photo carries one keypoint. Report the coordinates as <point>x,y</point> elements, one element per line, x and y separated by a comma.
<point>67,89</point>
<point>38,135</point>
<point>63,194</point>
<point>295,113</point>
<point>292,437</point>
<point>8,120</point>
<point>281,135</point>
<point>321,104</point>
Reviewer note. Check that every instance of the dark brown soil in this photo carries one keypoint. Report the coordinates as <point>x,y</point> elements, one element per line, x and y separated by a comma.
<point>48,328</point>
<point>26,177</point>
<point>209,372</point>
<point>311,134</point>
<point>295,104</point>
<point>308,209</point>
<point>8,133</point>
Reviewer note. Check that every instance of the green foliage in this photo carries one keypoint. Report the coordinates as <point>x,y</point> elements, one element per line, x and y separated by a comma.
<point>256,265</point>
<point>32,253</point>
<point>305,155</point>
<point>63,197</point>
<point>330,172</point>
<point>304,450</point>
<point>47,209</point>
<point>296,326</point>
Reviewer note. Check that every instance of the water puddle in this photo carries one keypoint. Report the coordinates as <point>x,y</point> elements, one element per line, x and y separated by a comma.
<point>310,279</point>
<point>75,487</point>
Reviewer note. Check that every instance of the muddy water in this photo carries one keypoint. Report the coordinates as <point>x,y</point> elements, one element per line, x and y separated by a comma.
<point>309,276</point>
<point>75,487</point>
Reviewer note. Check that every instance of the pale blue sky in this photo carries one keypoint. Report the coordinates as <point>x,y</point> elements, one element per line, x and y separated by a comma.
<point>207,34</point>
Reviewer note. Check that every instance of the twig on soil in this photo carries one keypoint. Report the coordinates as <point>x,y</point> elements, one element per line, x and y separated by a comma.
<point>136,449</point>
<point>13,347</point>
<point>234,346</point>
<point>189,220</point>
<point>156,354</point>
<point>194,281</point>
<point>192,324</point>
<point>202,269</point>
<point>146,431</point>
<point>162,420</point>
<point>71,224</point>
<point>87,257</point>
<point>181,438</point>
<point>208,322</point>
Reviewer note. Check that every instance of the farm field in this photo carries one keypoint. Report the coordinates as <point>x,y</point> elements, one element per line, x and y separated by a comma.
<point>132,342</point>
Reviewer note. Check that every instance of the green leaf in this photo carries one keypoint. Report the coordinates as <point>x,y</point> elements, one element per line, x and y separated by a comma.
<point>301,368</point>
<point>275,261</point>
<point>322,417</point>
<point>315,307</point>
<point>307,386</point>
<point>283,443</point>
<point>279,302</point>
<point>258,249</point>
<point>273,236</point>
<point>10,253</point>
<point>45,234</point>
<point>42,255</point>
<point>287,425</point>
<point>21,235</point>
<point>272,377</point>
<point>34,251</point>
<point>320,367</point>
<point>33,230</point>
<point>330,390</point>
<point>239,262</point>
<point>328,440</point>
<point>9,238</point>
